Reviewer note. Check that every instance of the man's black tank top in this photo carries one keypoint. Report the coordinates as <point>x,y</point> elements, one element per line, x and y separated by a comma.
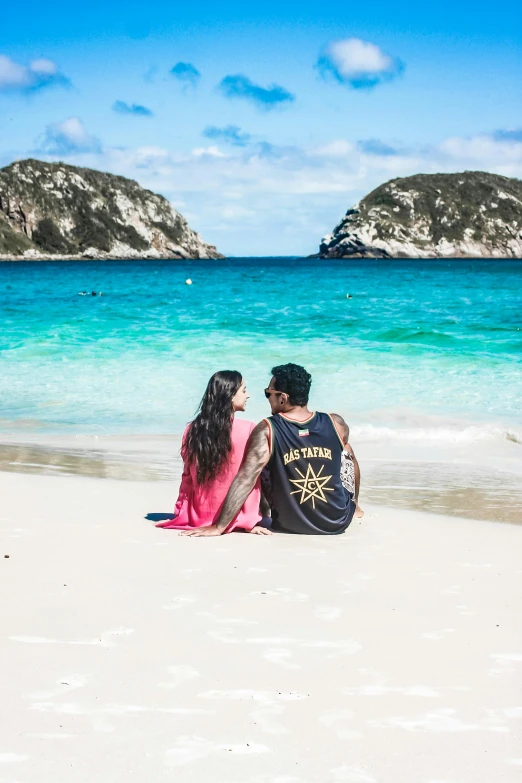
<point>305,469</point>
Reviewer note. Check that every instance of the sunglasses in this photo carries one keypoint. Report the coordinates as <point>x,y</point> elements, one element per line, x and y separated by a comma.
<point>268,392</point>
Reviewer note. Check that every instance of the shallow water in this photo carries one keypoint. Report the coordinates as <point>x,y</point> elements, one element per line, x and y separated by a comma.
<point>423,352</point>
<point>424,360</point>
<point>462,490</point>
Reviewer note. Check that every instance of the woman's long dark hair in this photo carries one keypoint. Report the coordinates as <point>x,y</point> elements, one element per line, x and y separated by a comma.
<point>208,442</point>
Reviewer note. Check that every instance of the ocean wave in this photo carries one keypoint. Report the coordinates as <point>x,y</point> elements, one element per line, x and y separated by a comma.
<point>469,434</point>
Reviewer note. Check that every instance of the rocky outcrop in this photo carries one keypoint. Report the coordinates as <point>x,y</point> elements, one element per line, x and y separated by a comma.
<point>53,210</point>
<point>468,215</point>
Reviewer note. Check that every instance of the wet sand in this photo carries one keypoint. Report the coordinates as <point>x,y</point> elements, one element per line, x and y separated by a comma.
<point>454,488</point>
<point>388,655</point>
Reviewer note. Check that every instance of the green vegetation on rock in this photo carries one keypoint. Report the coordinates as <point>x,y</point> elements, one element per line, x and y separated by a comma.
<point>470,214</point>
<point>54,209</point>
<point>48,236</point>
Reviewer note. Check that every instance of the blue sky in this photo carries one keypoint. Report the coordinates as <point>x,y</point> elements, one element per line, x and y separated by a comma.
<point>263,123</point>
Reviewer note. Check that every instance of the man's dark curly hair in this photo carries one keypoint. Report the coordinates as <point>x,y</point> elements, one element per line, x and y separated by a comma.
<point>294,381</point>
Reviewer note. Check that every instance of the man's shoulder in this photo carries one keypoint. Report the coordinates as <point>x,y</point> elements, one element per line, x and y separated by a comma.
<point>261,430</point>
<point>341,427</point>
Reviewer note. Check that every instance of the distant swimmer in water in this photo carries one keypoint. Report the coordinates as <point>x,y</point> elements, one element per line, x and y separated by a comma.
<point>349,296</point>
<point>82,293</point>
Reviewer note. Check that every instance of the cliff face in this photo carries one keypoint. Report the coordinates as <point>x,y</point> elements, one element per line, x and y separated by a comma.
<point>56,210</point>
<point>474,214</point>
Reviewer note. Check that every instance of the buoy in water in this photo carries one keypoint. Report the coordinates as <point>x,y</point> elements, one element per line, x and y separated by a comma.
<point>188,281</point>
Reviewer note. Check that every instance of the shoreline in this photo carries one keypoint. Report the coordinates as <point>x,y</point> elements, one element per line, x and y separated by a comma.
<point>110,258</point>
<point>310,258</point>
<point>132,652</point>
<point>449,483</point>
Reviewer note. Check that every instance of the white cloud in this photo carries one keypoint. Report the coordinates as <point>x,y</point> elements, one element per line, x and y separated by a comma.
<point>353,56</point>
<point>213,152</point>
<point>39,73</point>
<point>12,75</point>
<point>339,148</point>
<point>486,152</point>
<point>359,64</point>
<point>269,199</point>
<point>67,138</point>
<point>44,66</point>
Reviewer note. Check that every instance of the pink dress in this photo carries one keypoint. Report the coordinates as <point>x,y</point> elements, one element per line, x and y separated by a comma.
<point>199,506</point>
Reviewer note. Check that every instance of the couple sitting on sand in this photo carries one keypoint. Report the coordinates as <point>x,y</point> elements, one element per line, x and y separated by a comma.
<point>293,472</point>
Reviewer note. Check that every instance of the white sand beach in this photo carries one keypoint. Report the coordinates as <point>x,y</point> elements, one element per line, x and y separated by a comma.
<point>392,654</point>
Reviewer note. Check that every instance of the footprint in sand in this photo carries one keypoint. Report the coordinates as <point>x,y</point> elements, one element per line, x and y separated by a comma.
<point>266,717</point>
<point>286,593</point>
<point>357,584</point>
<point>11,758</point>
<point>503,663</point>
<point>420,691</point>
<point>180,601</point>
<point>340,722</point>
<point>227,620</point>
<point>281,657</point>
<point>466,610</point>
<point>436,635</point>
<point>17,532</point>
<point>179,675</point>
<point>104,640</point>
<point>63,686</point>
<point>438,722</point>
<point>451,590</point>
<point>328,613</point>
<point>337,648</point>
<point>246,694</point>
<point>241,694</point>
<point>354,774</point>
<point>507,657</point>
<point>102,716</point>
<point>189,749</point>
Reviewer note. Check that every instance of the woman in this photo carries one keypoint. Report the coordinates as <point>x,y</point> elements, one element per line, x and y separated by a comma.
<point>212,451</point>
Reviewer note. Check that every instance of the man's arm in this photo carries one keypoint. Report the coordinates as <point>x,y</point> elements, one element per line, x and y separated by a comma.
<point>342,428</point>
<point>356,474</point>
<point>344,433</point>
<point>256,456</point>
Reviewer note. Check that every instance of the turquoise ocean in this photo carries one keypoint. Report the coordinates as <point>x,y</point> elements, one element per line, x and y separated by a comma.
<point>423,358</point>
<point>428,350</point>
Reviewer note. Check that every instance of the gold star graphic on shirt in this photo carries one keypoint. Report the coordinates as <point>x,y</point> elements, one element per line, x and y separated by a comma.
<point>311,486</point>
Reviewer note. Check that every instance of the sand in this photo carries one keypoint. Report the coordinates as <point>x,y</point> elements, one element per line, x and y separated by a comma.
<point>449,479</point>
<point>392,654</point>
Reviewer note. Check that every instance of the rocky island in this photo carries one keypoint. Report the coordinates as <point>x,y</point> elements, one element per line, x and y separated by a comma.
<point>470,215</point>
<point>54,210</point>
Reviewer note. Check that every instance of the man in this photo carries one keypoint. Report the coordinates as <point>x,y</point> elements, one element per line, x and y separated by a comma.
<point>303,452</point>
